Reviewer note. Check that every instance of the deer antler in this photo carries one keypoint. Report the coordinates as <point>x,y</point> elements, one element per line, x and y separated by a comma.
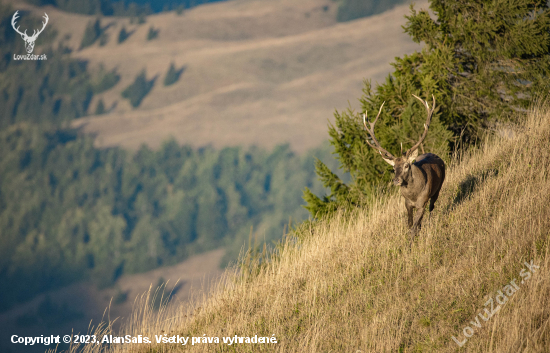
<point>385,154</point>
<point>43,26</point>
<point>13,20</point>
<point>24,34</point>
<point>426,125</point>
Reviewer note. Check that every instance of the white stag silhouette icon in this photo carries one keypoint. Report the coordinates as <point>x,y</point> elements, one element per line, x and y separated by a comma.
<point>29,41</point>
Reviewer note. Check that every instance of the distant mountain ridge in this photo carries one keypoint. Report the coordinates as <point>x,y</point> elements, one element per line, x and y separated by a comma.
<point>347,9</point>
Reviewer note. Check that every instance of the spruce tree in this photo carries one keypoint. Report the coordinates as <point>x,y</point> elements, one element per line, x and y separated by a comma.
<point>100,108</point>
<point>172,75</point>
<point>483,61</point>
<point>153,33</point>
<point>91,34</point>
<point>138,89</point>
<point>123,34</point>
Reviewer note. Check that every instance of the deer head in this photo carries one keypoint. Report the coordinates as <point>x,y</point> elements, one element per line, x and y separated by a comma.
<point>29,41</point>
<point>402,164</point>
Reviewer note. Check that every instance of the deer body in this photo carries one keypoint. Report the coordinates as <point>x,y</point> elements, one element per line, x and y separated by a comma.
<point>423,183</point>
<point>419,177</point>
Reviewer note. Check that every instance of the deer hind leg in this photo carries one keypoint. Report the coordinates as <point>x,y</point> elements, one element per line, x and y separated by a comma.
<point>433,199</point>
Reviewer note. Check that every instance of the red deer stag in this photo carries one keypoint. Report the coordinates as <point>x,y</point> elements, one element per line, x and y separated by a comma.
<point>420,177</point>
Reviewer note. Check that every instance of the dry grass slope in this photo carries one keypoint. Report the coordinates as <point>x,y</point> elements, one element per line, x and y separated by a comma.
<point>355,285</point>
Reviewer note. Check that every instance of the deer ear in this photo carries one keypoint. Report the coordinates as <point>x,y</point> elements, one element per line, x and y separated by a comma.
<point>413,156</point>
<point>389,161</point>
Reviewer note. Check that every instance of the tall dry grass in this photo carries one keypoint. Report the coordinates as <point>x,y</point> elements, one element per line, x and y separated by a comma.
<point>352,283</point>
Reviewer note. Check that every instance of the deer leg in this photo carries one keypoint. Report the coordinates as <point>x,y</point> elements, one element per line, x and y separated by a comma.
<point>417,222</point>
<point>418,218</point>
<point>409,205</point>
<point>433,200</point>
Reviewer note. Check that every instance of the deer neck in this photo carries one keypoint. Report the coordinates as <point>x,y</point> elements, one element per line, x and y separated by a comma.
<point>415,182</point>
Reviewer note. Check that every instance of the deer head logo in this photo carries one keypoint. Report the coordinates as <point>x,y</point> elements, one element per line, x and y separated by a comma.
<point>29,40</point>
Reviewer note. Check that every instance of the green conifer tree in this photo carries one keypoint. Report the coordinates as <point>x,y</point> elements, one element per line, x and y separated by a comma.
<point>172,75</point>
<point>138,89</point>
<point>123,35</point>
<point>152,33</point>
<point>100,108</point>
<point>482,60</point>
<point>92,33</point>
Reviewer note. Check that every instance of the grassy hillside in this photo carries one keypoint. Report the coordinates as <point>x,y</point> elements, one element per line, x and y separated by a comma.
<point>352,283</point>
<point>264,72</point>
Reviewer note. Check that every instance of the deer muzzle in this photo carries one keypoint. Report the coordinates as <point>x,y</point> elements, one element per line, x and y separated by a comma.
<point>29,46</point>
